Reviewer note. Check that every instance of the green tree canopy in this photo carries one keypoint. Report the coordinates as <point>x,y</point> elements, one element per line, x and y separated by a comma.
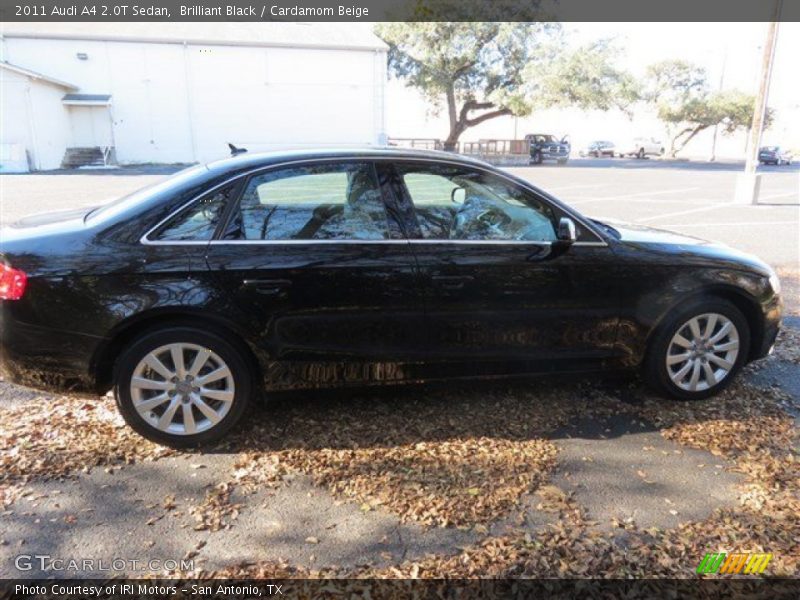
<point>586,77</point>
<point>674,81</point>
<point>481,71</point>
<point>476,69</point>
<point>680,92</point>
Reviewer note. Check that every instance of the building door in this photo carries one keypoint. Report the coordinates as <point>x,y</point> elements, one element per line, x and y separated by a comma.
<point>91,126</point>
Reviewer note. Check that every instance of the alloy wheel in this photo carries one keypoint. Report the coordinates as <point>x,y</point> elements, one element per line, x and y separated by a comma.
<point>182,389</point>
<point>703,352</point>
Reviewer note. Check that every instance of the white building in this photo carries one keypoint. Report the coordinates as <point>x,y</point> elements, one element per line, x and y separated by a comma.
<point>179,92</point>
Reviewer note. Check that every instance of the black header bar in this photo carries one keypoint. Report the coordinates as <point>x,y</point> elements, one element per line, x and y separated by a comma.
<point>401,10</point>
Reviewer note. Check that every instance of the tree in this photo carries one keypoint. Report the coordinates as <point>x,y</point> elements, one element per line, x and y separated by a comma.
<point>680,92</point>
<point>586,77</point>
<point>731,109</point>
<point>475,68</point>
<point>675,81</point>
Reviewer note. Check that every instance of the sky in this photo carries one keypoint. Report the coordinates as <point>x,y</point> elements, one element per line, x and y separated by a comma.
<point>730,52</point>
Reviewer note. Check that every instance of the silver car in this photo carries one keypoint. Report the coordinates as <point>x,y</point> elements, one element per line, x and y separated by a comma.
<point>641,147</point>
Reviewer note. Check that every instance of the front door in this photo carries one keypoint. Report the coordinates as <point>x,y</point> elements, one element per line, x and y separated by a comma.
<point>91,126</point>
<point>316,265</point>
<point>499,289</point>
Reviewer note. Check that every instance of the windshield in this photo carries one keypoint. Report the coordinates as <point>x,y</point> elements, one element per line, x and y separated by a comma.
<point>122,204</point>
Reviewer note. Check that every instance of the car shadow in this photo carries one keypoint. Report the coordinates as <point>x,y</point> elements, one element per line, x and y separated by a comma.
<point>517,410</point>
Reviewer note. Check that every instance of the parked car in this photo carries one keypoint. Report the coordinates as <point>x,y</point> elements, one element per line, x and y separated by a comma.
<point>641,147</point>
<point>309,269</point>
<point>599,148</point>
<point>774,155</point>
<point>547,147</point>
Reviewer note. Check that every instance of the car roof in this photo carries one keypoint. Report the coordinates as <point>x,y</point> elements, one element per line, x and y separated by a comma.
<point>265,159</point>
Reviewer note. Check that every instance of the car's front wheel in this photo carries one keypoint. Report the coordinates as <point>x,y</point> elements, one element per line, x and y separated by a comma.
<point>181,386</point>
<point>698,350</point>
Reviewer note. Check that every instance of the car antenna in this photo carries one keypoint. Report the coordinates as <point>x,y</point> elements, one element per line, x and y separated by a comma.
<point>235,150</point>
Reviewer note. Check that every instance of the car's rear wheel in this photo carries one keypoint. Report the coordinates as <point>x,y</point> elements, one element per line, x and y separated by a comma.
<point>698,350</point>
<point>181,386</point>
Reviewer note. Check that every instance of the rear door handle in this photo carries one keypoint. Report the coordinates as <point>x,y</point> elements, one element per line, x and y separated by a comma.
<point>268,287</point>
<point>452,282</point>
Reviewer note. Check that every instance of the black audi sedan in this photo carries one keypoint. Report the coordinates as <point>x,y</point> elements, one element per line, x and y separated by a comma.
<point>196,297</point>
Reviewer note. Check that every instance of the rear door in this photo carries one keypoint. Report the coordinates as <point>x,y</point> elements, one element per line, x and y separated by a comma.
<point>317,268</point>
<point>498,287</point>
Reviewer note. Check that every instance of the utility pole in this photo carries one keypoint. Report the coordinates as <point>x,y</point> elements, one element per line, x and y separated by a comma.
<point>748,183</point>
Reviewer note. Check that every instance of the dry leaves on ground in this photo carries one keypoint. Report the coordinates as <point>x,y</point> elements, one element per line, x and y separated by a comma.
<point>217,510</point>
<point>443,459</point>
<point>459,482</point>
<point>787,345</point>
<point>745,425</point>
<point>45,440</point>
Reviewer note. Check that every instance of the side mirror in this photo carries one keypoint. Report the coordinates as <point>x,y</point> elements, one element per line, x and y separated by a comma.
<point>566,231</point>
<point>458,195</point>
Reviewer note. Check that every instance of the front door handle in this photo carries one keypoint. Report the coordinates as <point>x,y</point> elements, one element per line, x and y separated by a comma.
<point>540,253</point>
<point>452,282</point>
<point>268,287</point>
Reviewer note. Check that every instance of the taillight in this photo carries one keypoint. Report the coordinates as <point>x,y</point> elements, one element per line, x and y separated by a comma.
<point>12,283</point>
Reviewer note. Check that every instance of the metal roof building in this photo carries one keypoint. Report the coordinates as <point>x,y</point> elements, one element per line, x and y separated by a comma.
<point>77,93</point>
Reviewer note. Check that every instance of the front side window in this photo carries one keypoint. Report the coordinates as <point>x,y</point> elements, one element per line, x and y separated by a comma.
<point>458,204</point>
<point>199,221</point>
<point>317,202</point>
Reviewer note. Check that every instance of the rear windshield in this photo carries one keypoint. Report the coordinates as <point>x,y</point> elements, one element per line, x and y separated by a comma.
<point>120,205</point>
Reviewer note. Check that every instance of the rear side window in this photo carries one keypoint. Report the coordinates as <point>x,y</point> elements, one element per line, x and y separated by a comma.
<point>317,202</point>
<point>199,221</point>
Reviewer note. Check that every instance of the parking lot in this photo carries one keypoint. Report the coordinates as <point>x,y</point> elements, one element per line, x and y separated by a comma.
<point>538,478</point>
<point>692,198</point>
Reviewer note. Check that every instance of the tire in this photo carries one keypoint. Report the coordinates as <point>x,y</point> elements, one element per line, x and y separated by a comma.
<point>135,361</point>
<point>562,161</point>
<point>640,154</point>
<point>669,380</point>
<point>537,158</point>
